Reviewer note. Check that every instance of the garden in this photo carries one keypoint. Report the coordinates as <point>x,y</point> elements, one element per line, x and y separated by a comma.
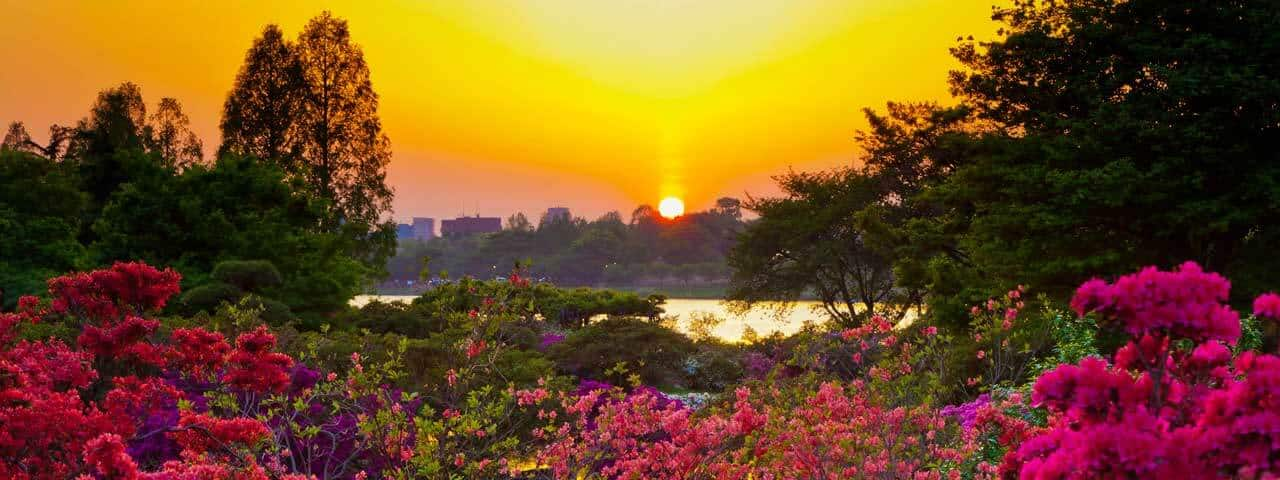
<point>1152,374</point>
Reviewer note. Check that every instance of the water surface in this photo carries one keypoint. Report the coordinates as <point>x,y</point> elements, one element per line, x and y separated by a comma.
<point>763,320</point>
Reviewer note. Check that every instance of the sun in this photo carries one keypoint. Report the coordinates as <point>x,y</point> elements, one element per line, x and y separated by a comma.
<point>671,207</point>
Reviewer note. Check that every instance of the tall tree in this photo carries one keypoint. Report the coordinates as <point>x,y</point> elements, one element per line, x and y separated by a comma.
<point>18,138</point>
<point>808,242</point>
<point>1128,133</point>
<point>341,136</point>
<point>259,117</point>
<point>168,134</point>
<point>113,127</point>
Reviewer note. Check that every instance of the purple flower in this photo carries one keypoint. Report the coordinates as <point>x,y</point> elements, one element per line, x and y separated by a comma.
<point>967,413</point>
<point>549,339</point>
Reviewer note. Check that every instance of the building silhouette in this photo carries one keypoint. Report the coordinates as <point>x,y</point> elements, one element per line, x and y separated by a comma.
<point>463,226</point>
<point>422,228</point>
<point>558,214</point>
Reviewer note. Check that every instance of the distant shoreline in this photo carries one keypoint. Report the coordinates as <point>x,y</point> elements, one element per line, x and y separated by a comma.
<point>692,291</point>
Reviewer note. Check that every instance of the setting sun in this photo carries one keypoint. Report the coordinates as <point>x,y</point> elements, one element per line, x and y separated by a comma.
<point>671,207</point>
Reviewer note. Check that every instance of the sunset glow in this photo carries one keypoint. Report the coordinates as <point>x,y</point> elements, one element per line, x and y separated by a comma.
<point>543,101</point>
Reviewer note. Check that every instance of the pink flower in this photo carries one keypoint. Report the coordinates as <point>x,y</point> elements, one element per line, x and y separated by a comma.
<point>982,354</point>
<point>451,376</point>
<point>1267,305</point>
<point>931,330</point>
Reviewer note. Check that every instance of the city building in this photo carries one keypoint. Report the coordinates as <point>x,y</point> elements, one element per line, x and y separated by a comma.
<point>558,213</point>
<point>462,226</point>
<point>424,228</point>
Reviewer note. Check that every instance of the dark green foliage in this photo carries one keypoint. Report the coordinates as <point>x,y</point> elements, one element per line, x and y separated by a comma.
<point>208,297</point>
<point>248,275</point>
<point>238,208</point>
<point>809,242</point>
<point>412,320</point>
<point>655,353</point>
<point>714,368</point>
<point>1124,134</point>
<point>273,312</point>
<point>40,210</point>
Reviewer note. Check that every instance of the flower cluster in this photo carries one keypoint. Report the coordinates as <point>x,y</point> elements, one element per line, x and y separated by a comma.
<point>832,433</point>
<point>1172,403</point>
<point>62,417</point>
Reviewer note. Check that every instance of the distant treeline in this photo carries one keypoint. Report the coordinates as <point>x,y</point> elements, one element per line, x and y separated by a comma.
<point>646,250</point>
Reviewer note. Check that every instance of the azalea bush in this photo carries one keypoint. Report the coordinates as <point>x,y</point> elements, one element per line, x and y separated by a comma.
<point>1008,339</point>
<point>1174,402</point>
<point>68,411</point>
<point>132,398</point>
<point>809,426</point>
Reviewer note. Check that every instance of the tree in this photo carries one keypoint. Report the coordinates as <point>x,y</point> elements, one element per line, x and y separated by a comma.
<point>310,107</point>
<point>237,209</point>
<point>1125,133</point>
<point>729,207</point>
<point>168,134</point>
<point>40,210</point>
<point>808,242</point>
<point>17,138</point>
<point>519,223</point>
<point>341,135</point>
<point>114,125</point>
<point>259,116</point>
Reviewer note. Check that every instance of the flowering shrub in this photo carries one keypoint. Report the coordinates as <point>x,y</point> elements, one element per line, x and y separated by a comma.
<point>790,428</point>
<point>132,402</point>
<point>1172,403</point>
<point>831,433</point>
<point>61,417</point>
<point>1007,340</point>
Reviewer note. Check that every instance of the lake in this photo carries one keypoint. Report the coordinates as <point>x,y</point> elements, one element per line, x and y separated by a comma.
<point>763,320</point>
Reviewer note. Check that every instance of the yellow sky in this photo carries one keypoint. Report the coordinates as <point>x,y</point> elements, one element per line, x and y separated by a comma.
<point>502,106</point>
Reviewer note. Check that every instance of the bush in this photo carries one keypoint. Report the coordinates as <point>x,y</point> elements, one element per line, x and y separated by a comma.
<point>714,368</point>
<point>208,297</point>
<point>655,353</point>
<point>414,321</point>
<point>248,275</point>
<point>274,312</point>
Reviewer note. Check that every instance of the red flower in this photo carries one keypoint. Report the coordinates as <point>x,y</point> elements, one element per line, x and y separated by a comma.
<point>254,366</point>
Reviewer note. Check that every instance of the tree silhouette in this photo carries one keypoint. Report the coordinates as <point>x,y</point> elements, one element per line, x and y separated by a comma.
<point>168,134</point>
<point>309,106</point>
<point>17,138</point>
<point>114,125</point>
<point>258,118</point>
<point>341,136</point>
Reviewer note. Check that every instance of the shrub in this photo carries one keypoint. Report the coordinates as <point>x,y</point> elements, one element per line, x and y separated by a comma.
<point>248,275</point>
<point>655,353</point>
<point>208,297</point>
<point>274,312</point>
<point>1172,403</point>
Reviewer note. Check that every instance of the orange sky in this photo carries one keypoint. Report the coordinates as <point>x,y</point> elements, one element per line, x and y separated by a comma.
<point>502,106</point>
